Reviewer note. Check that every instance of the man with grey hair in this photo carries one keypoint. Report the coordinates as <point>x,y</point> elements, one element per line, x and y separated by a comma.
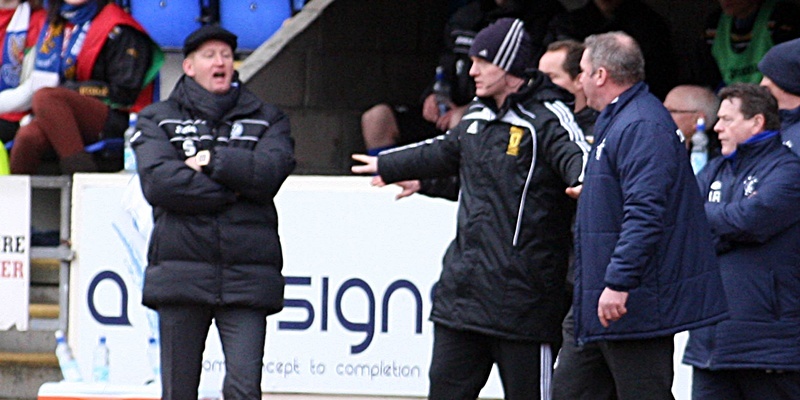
<point>687,104</point>
<point>645,263</point>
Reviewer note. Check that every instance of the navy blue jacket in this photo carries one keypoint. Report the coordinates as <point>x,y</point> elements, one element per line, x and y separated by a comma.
<point>790,129</point>
<point>752,208</point>
<point>641,228</point>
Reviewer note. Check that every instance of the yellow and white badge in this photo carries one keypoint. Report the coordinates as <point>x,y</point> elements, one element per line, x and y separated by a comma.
<point>514,139</point>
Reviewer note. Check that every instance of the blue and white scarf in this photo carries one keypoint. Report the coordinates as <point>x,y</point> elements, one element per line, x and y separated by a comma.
<point>14,47</point>
<point>58,46</point>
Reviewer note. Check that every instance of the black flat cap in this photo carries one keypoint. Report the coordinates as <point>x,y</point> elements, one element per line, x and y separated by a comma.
<point>206,33</point>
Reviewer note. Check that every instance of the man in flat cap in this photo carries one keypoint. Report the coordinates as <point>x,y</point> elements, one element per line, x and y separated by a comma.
<point>211,158</point>
<point>500,298</point>
<point>781,69</point>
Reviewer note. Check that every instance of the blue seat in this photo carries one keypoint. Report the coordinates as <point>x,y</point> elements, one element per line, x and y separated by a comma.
<point>297,5</point>
<point>109,145</point>
<point>253,21</point>
<point>168,21</point>
<point>105,146</point>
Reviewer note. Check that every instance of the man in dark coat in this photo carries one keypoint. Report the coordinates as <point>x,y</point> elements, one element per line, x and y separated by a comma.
<point>500,298</point>
<point>752,193</point>
<point>211,159</point>
<point>645,265</point>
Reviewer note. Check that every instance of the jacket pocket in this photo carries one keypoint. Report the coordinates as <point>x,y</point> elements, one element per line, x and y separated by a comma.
<point>751,293</point>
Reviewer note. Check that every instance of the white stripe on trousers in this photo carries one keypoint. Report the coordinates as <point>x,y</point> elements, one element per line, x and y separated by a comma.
<point>545,371</point>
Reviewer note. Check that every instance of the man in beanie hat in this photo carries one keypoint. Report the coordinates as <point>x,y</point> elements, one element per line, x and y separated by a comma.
<point>781,69</point>
<point>644,261</point>
<point>500,297</point>
<point>210,159</point>
<point>384,125</point>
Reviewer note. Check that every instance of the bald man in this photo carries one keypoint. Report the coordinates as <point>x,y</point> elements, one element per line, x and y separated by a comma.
<point>687,103</point>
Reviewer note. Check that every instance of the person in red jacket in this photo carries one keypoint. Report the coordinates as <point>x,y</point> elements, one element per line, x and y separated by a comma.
<point>20,24</point>
<point>94,65</point>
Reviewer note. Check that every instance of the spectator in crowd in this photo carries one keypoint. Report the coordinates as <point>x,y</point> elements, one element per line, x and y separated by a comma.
<point>781,69</point>
<point>93,65</point>
<point>20,25</point>
<point>385,126</point>
<point>636,19</point>
<point>211,159</point>
<point>561,63</point>
<point>741,33</point>
<point>751,193</point>
<point>645,266</point>
<point>688,103</point>
<point>500,296</point>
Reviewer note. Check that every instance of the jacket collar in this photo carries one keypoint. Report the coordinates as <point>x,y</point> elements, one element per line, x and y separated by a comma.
<point>213,107</point>
<point>754,148</point>
<point>616,106</point>
<point>789,117</point>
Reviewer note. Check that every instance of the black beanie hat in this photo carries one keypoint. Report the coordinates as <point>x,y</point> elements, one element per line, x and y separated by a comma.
<point>206,33</point>
<point>781,65</point>
<point>506,44</point>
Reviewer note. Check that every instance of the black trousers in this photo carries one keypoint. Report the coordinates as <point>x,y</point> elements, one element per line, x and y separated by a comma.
<point>613,370</point>
<point>183,331</point>
<point>462,362</point>
<point>745,384</point>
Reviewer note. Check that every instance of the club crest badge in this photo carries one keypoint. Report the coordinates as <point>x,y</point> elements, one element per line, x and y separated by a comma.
<point>599,150</point>
<point>750,185</point>
<point>237,129</point>
<point>514,139</point>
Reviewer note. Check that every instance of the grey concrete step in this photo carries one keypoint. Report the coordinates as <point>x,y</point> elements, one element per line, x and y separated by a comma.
<point>27,358</point>
<point>43,294</point>
<point>30,341</point>
<point>44,271</point>
<point>21,378</point>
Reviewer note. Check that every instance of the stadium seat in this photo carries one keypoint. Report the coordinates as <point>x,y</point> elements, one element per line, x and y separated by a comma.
<point>297,5</point>
<point>253,21</point>
<point>168,21</point>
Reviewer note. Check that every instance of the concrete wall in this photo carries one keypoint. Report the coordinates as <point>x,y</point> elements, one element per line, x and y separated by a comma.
<point>334,59</point>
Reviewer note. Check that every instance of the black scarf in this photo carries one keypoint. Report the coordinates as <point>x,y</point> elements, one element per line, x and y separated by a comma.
<point>206,105</point>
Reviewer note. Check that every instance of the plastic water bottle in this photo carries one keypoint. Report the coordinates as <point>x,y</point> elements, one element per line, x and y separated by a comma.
<point>154,357</point>
<point>69,367</point>
<point>100,361</point>
<point>441,89</point>
<point>699,154</point>
<point>129,159</point>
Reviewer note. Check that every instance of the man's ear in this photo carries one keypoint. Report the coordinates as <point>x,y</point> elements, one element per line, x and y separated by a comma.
<point>602,76</point>
<point>759,121</point>
<point>188,67</point>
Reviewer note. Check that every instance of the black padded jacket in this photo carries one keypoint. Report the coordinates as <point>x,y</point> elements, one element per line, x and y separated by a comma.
<point>503,274</point>
<point>215,237</point>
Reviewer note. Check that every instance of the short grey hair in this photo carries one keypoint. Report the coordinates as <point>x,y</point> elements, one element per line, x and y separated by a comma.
<point>619,54</point>
<point>706,101</point>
